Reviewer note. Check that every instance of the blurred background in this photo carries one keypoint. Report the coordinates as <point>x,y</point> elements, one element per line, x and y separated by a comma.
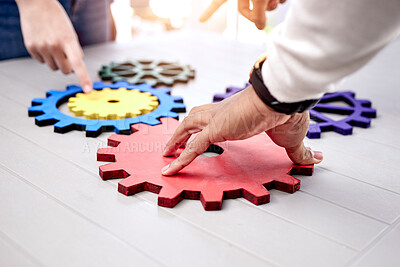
<point>135,18</point>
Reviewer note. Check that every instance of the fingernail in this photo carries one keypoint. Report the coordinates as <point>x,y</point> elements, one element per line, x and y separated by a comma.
<point>318,155</point>
<point>164,169</point>
<point>87,89</point>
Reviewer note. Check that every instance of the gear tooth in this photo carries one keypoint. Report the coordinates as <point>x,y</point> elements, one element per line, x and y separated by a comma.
<point>348,94</point>
<point>342,127</point>
<point>99,85</point>
<point>364,103</point>
<point>150,120</point>
<point>169,123</point>
<point>132,185</point>
<point>115,139</point>
<point>62,124</point>
<point>112,171</point>
<point>211,199</point>
<point>368,112</point>
<point>106,154</point>
<point>38,101</point>
<point>165,90</point>
<point>287,183</point>
<point>218,97</point>
<point>177,99</point>
<point>314,131</point>
<point>44,120</point>
<point>94,126</point>
<point>35,109</point>
<point>71,103</point>
<point>141,127</point>
<point>74,87</point>
<point>302,169</point>
<point>125,127</point>
<point>171,114</point>
<point>361,122</point>
<point>53,93</point>
<point>76,111</point>
<point>169,197</point>
<point>256,194</point>
<point>179,107</point>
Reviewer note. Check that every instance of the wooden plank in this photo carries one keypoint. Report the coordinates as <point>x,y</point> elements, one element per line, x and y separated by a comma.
<point>13,256</point>
<point>54,234</point>
<point>385,252</point>
<point>352,194</point>
<point>334,222</point>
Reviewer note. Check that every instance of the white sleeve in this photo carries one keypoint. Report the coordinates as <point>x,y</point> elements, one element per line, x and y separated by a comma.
<point>322,41</point>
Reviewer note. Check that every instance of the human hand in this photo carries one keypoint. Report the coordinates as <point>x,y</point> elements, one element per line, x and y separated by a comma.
<point>50,38</point>
<point>255,15</point>
<point>239,117</point>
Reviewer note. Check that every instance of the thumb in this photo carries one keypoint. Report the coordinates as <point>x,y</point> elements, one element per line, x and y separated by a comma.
<point>302,156</point>
<point>214,5</point>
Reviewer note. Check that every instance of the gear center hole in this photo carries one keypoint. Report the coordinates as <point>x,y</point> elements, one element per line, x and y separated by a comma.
<point>113,101</point>
<point>212,151</point>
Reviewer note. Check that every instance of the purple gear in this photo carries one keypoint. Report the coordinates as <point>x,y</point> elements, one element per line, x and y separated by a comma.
<point>359,113</point>
<point>230,91</point>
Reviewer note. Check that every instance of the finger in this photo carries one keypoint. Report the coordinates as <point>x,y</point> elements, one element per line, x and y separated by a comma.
<point>303,156</point>
<point>215,4</point>
<point>74,56</point>
<point>258,13</point>
<point>48,58</point>
<point>36,55</point>
<point>62,61</point>
<point>244,9</point>
<point>282,1</point>
<point>190,125</point>
<point>290,135</point>
<point>273,4</point>
<point>192,151</point>
<point>202,108</point>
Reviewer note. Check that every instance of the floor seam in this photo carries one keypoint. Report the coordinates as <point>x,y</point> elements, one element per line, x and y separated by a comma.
<point>373,243</point>
<point>15,245</point>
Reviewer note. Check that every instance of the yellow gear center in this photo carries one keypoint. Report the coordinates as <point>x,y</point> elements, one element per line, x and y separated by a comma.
<point>112,104</point>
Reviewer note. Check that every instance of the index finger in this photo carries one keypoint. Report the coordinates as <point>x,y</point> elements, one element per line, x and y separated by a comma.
<point>195,148</point>
<point>74,54</point>
<point>190,125</point>
<point>215,4</point>
<point>258,13</point>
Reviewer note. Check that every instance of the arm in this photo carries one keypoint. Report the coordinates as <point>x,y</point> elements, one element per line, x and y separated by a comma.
<point>50,38</point>
<point>321,42</point>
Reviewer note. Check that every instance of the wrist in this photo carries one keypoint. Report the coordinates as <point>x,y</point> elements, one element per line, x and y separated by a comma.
<point>262,91</point>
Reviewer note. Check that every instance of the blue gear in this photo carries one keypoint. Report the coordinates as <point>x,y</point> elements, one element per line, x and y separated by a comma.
<point>359,113</point>
<point>46,110</point>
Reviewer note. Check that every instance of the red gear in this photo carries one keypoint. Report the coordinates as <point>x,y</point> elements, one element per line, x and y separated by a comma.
<point>246,168</point>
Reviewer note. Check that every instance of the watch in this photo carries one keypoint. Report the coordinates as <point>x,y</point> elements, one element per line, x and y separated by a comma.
<point>256,80</point>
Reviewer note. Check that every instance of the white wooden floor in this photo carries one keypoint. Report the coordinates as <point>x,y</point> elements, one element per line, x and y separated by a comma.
<point>56,211</point>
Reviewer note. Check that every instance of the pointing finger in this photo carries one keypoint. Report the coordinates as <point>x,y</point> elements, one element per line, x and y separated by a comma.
<point>78,66</point>
<point>195,148</point>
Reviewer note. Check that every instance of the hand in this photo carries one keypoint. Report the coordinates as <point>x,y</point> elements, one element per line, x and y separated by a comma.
<point>255,15</point>
<point>50,38</point>
<point>239,117</point>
